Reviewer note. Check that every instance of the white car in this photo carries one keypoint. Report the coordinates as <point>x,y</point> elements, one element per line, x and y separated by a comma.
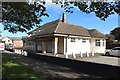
<point>114,51</point>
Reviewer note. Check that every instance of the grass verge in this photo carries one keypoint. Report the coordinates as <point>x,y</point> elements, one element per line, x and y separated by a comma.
<point>12,69</point>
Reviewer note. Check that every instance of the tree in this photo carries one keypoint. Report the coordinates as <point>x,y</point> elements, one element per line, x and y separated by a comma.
<point>102,10</point>
<point>116,33</point>
<point>110,39</point>
<point>23,16</point>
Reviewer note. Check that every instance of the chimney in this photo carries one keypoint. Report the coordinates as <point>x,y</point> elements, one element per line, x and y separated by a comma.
<point>64,17</point>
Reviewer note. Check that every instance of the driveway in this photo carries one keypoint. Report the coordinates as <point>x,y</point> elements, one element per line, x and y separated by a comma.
<point>115,61</point>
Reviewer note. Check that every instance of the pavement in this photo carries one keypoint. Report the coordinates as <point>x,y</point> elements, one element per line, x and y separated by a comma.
<point>51,70</point>
<point>114,61</point>
<point>108,60</point>
<point>57,71</point>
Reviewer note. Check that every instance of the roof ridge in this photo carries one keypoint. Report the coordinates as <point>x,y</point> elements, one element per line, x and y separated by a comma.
<point>57,26</point>
<point>94,31</point>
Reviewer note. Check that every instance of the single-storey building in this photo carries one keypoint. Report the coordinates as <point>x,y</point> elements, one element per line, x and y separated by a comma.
<point>60,37</point>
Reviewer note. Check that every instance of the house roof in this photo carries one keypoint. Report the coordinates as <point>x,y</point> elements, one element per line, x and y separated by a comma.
<point>95,33</point>
<point>59,27</point>
<point>14,38</point>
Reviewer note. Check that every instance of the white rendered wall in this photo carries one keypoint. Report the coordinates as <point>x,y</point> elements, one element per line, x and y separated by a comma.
<point>6,40</point>
<point>98,49</point>
<point>77,47</point>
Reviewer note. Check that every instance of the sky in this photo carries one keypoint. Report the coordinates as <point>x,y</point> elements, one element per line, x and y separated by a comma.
<point>89,21</point>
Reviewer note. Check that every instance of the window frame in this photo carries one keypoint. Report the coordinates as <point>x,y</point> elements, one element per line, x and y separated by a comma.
<point>8,41</point>
<point>97,42</point>
<point>103,43</point>
<point>83,40</point>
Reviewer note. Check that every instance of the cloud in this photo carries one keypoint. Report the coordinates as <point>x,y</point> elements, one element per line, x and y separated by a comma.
<point>54,7</point>
<point>114,16</point>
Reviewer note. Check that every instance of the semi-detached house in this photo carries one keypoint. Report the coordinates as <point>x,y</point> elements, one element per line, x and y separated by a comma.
<point>60,37</point>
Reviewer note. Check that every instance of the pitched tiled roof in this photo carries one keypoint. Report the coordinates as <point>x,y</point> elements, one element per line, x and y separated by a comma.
<point>60,27</point>
<point>65,28</point>
<point>96,34</point>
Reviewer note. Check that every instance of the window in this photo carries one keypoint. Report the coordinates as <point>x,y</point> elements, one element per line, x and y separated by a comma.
<point>97,42</point>
<point>8,40</point>
<point>72,39</point>
<point>83,40</point>
<point>103,43</point>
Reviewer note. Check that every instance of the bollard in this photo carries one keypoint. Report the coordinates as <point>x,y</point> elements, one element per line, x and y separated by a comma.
<point>87,54</point>
<point>22,52</point>
<point>19,51</point>
<point>25,53</point>
<point>44,52</point>
<point>81,54</point>
<point>66,55</point>
<point>74,56</point>
<point>56,55</point>
<point>15,50</point>
<point>93,54</point>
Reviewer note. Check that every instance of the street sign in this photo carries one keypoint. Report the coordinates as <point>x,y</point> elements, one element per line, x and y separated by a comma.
<point>2,46</point>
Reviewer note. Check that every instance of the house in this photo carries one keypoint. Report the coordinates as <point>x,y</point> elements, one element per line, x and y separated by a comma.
<point>12,42</point>
<point>60,37</point>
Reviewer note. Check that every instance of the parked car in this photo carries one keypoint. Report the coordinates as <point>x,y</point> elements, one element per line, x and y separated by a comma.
<point>114,51</point>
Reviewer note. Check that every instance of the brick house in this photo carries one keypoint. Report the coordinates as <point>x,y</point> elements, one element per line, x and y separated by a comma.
<point>13,42</point>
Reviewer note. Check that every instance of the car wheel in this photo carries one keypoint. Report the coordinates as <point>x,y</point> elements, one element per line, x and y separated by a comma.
<point>107,53</point>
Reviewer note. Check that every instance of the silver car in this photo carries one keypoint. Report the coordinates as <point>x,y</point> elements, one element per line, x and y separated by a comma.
<point>114,51</point>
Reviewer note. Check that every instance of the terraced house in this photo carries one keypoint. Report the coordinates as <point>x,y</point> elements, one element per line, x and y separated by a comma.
<point>60,37</point>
